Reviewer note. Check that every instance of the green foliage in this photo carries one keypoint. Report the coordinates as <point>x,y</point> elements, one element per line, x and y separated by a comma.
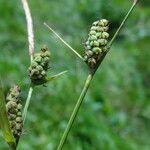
<point>4,124</point>
<point>115,113</point>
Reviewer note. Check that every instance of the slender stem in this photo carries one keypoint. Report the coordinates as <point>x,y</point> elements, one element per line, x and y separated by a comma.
<point>29,27</point>
<point>88,81</point>
<point>64,41</point>
<point>31,49</point>
<point>27,104</point>
<point>123,22</point>
<point>75,111</point>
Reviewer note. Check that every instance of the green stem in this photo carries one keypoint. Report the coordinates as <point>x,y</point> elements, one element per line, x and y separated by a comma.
<point>88,81</point>
<point>27,104</point>
<point>75,111</point>
<point>123,22</point>
<point>61,39</point>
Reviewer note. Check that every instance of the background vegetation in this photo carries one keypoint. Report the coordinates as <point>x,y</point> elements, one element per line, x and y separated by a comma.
<point>116,111</point>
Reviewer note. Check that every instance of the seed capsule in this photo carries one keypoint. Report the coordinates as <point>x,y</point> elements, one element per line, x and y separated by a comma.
<point>89,53</point>
<point>95,43</point>
<point>93,37</point>
<point>38,59</point>
<point>88,47</point>
<point>97,50</point>
<point>92,62</point>
<point>100,29</point>
<point>103,22</point>
<point>19,119</point>
<point>19,107</point>
<point>92,32</point>
<point>94,28</point>
<point>104,35</point>
<point>102,42</point>
<point>98,34</point>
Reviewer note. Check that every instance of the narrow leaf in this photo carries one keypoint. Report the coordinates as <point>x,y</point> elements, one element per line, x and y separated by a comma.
<point>48,79</point>
<point>4,123</point>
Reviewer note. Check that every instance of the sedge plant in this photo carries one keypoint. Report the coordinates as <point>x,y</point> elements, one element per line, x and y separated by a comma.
<point>13,114</point>
<point>96,48</point>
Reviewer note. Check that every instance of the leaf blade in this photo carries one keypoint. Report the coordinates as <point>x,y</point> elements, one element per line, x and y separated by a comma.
<point>4,123</point>
<point>48,79</point>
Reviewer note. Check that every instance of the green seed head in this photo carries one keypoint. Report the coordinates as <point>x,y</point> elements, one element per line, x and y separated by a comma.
<point>96,43</point>
<point>13,108</point>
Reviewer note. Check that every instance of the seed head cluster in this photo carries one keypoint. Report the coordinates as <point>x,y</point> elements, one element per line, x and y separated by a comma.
<point>14,107</point>
<point>96,43</point>
<point>39,66</point>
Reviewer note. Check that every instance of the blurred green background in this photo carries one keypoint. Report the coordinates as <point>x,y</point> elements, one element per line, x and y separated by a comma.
<point>116,112</point>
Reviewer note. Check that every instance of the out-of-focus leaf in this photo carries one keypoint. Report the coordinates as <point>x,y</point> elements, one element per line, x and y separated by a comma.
<point>4,123</point>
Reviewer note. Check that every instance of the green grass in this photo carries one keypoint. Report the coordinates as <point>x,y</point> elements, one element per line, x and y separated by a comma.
<point>115,113</point>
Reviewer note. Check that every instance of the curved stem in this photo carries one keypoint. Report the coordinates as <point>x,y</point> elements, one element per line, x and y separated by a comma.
<point>75,111</point>
<point>31,48</point>
<point>27,104</point>
<point>123,22</point>
<point>29,27</point>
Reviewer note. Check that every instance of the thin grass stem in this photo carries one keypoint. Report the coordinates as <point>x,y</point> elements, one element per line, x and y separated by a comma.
<point>75,112</point>
<point>64,41</point>
<point>88,81</point>
<point>27,104</point>
<point>123,22</point>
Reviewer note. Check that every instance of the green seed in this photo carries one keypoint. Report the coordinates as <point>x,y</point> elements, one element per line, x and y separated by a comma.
<point>39,68</point>
<point>87,42</point>
<point>92,32</point>
<point>102,42</point>
<point>38,59</point>
<point>103,22</point>
<point>43,73</point>
<point>98,34</point>
<point>46,59</point>
<point>105,29</point>
<point>19,119</point>
<point>104,35</point>
<point>94,28</point>
<point>95,43</point>
<point>89,53</point>
<point>19,107</point>
<point>34,64</point>
<point>88,47</point>
<point>100,29</point>
<point>93,37</point>
<point>12,116</point>
<point>97,50</point>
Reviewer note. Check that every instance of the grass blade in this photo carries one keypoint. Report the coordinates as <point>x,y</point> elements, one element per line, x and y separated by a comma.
<point>55,76</point>
<point>4,123</point>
